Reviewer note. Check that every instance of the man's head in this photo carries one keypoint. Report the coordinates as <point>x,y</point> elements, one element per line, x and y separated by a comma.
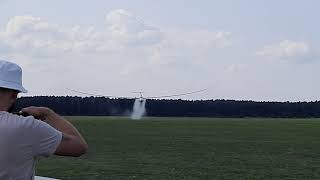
<point>10,84</point>
<point>8,98</point>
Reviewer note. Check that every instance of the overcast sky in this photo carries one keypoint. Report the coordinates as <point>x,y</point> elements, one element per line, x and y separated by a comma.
<point>265,50</point>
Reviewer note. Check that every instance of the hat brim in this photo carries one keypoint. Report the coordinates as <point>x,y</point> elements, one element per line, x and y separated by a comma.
<point>13,86</point>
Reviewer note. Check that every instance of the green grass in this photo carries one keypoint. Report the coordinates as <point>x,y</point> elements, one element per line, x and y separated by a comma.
<point>191,148</point>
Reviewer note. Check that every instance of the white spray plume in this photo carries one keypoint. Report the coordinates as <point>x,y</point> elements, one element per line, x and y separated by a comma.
<point>139,109</point>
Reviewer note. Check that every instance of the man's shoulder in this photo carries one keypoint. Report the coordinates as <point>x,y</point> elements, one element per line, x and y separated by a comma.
<point>16,121</point>
<point>15,128</point>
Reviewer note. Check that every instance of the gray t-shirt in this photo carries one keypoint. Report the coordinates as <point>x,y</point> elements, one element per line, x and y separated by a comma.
<point>23,140</point>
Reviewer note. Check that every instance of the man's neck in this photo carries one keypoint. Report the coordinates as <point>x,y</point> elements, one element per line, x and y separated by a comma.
<point>3,107</point>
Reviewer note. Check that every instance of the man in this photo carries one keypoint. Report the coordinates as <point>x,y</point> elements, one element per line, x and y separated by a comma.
<point>23,140</point>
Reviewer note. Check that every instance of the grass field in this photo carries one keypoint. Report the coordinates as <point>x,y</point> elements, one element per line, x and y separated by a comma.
<point>191,148</point>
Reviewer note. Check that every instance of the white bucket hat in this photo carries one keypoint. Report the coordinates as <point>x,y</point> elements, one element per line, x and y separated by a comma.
<point>11,76</point>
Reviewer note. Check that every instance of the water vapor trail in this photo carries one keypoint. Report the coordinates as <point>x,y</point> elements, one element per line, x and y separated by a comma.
<point>139,109</point>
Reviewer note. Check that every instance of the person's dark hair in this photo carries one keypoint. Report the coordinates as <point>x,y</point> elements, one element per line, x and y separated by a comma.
<point>5,90</point>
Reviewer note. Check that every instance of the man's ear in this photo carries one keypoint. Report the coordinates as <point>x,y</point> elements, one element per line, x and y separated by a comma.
<point>14,96</point>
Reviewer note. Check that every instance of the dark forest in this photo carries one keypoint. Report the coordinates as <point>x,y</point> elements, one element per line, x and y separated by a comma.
<point>100,106</point>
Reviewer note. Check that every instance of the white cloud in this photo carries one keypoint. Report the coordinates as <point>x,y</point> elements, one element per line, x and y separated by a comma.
<point>189,46</point>
<point>124,26</point>
<point>127,51</point>
<point>34,34</point>
<point>287,50</point>
<point>127,30</point>
<point>123,31</point>
<point>27,34</point>
<point>233,68</point>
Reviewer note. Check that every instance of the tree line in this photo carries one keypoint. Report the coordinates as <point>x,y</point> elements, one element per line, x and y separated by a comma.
<point>101,106</point>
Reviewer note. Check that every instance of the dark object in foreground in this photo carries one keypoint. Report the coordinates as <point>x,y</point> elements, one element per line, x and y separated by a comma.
<point>21,114</point>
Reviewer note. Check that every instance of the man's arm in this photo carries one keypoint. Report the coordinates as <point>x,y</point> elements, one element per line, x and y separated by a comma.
<point>72,143</point>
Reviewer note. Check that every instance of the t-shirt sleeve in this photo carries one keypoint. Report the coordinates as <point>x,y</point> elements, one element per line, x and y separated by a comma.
<point>45,139</point>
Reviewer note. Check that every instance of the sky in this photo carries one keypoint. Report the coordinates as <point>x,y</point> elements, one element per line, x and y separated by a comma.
<point>263,50</point>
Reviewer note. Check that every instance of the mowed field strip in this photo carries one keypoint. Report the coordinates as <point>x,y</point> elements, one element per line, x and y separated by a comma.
<point>191,149</point>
